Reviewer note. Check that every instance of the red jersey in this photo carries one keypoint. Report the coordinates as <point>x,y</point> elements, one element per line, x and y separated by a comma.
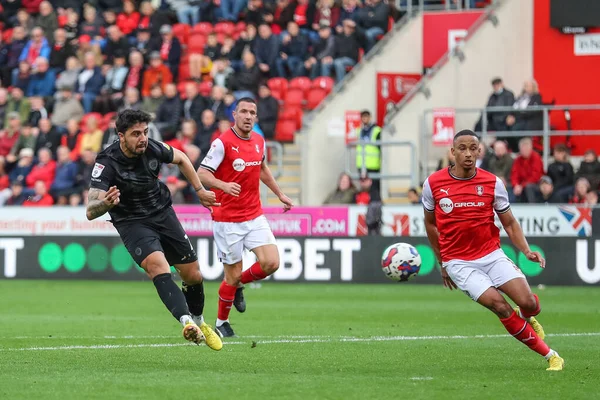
<point>233,158</point>
<point>464,212</point>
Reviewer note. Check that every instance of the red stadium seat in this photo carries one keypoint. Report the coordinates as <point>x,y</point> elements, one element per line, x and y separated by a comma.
<point>7,36</point>
<point>279,85</point>
<point>323,82</point>
<point>106,119</point>
<point>202,27</point>
<point>315,97</point>
<point>277,94</point>
<point>181,88</point>
<point>293,98</point>
<point>285,131</point>
<point>182,32</point>
<point>240,26</point>
<point>184,71</point>
<point>292,114</point>
<point>205,87</point>
<point>221,37</point>
<point>196,43</point>
<point>302,82</point>
<point>226,28</point>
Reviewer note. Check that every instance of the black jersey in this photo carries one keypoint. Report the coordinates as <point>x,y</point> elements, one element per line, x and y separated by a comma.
<point>142,193</point>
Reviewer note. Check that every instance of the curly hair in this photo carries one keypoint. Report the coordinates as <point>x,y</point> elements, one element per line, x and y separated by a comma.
<point>128,118</point>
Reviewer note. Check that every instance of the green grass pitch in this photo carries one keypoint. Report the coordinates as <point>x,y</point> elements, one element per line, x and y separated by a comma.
<point>115,340</point>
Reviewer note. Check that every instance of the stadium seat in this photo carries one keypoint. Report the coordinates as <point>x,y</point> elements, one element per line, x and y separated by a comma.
<point>302,83</point>
<point>292,114</point>
<point>279,85</point>
<point>196,43</point>
<point>221,37</point>
<point>184,71</point>
<point>294,97</point>
<point>106,119</point>
<point>205,87</point>
<point>7,36</point>
<point>181,32</point>
<point>323,82</point>
<point>285,131</point>
<point>226,28</point>
<point>202,27</point>
<point>314,97</point>
<point>240,26</point>
<point>86,117</point>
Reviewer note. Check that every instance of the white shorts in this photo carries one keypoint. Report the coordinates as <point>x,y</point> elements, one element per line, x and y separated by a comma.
<point>232,237</point>
<point>476,276</point>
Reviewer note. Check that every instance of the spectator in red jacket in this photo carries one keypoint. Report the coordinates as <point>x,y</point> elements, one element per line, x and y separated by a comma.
<point>10,135</point>
<point>44,170</point>
<point>128,20</point>
<point>526,172</point>
<point>41,197</point>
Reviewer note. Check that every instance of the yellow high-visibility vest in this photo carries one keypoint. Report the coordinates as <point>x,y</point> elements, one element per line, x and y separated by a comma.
<point>372,154</point>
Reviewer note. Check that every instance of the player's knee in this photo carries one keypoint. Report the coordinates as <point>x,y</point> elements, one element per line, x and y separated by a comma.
<point>270,266</point>
<point>191,276</point>
<point>530,303</point>
<point>501,308</point>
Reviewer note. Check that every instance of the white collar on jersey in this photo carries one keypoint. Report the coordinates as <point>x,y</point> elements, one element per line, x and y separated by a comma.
<point>238,135</point>
<point>461,179</point>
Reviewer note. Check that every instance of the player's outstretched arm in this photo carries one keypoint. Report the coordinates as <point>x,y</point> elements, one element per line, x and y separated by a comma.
<point>100,201</point>
<point>266,176</point>
<point>434,238</point>
<point>207,198</point>
<point>515,233</point>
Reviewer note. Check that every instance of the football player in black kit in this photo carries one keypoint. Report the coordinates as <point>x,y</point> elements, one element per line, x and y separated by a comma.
<point>125,184</point>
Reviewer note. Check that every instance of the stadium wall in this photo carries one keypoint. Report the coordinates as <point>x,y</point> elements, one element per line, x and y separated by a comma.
<point>323,147</point>
<point>503,50</point>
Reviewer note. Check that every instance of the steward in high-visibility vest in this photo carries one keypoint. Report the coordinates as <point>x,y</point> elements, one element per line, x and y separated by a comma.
<point>372,153</point>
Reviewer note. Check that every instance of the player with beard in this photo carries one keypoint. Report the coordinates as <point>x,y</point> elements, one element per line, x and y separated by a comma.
<point>460,202</point>
<point>125,184</point>
<point>234,168</point>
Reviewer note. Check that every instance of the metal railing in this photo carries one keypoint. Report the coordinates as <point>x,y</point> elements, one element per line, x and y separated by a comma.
<point>278,150</point>
<point>545,133</point>
<point>429,5</point>
<point>350,160</point>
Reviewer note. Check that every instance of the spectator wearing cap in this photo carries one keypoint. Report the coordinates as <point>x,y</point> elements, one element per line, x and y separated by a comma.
<point>61,51</point>
<point>590,168</point>
<point>546,192</point>
<point>65,180</point>
<point>19,104</point>
<point>322,51</point>
<point>115,42</point>
<point>89,82</point>
<point>561,171</point>
<point>372,19</point>
<point>23,168</point>
<point>66,107</point>
<point>500,97</point>
<point>368,154</point>
<point>169,49</point>
<point>500,163</point>
<point>129,19</point>
<point>347,45</point>
<point>266,50</point>
<point>292,53</point>
<point>268,111</point>
<point>48,137</point>
<point>36,47</point>
<point>43,171</point>
<point>40,198</point>
<point>43,79</point>
<point>10,134</point>
<point>26,140</point>
<point>47,19</point>
<point>526,172</point>
<point>156,73</point>
<point>13,53</point>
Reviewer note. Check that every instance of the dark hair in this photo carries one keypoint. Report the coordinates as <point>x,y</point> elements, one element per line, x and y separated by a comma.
<point>496,81</point>
<point>128,118</point>
<point>561,147</point>
<point>414,190</point>
<point>365,113</point>
<point>465,132</point>
<point>245,100</point>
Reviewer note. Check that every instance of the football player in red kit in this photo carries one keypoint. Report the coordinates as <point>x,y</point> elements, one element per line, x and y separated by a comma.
<point>460,202</point>
<point>234,167</point>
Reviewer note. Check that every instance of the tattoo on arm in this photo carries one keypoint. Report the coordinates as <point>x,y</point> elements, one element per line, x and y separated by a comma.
<point>96,206</point>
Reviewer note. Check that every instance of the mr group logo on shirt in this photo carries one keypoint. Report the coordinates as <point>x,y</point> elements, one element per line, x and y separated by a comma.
<point>239,164</point>
<point>447,205</point>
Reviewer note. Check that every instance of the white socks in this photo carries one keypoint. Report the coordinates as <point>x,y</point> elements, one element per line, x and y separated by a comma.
<point>198,319</point>
<point>221,321</point>
<point>550,354</point>
<point>186,319</point>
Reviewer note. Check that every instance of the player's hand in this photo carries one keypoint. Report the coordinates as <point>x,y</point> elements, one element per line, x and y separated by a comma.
<point>208,199</point>
<point>448,282</point>
<point>232,188</point>
<point>112,197</point>
<point>536,257</point>
<point>287,203</point>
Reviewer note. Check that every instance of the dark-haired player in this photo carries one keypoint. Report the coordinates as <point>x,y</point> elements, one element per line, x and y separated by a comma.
<point>234,168</point>
<point>125,184</point>
<point>460,202</point>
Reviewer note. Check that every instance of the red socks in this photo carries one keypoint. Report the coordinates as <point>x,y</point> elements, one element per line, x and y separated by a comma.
<point>226,296</point>
<point>254,273</point>
<point>522,331</point>
<point>528,314</point>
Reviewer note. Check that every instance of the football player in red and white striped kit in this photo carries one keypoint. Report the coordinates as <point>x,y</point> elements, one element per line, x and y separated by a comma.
<point>234,167</point>
<point>460,202</point>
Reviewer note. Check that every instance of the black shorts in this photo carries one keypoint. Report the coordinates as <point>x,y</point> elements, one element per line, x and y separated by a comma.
<point>161,232</point>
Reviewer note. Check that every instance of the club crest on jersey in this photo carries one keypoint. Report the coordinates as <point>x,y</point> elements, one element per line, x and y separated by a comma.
<point>479,190</point>
<point>153,164</point>
<point>257,149</point>
<point>97,171</point>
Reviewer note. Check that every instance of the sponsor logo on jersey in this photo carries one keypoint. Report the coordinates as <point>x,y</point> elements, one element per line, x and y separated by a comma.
<point>236,149</point>
<point>479,190</point>
<point>445,191</point>
<point>166,145</point>
<point>97,171</point>
<point>447,205</point>
<point>240,165</point>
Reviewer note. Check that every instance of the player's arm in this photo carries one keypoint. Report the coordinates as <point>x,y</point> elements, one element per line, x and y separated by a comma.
<point>207,198</point>
<point>511,225</point>
<point>266,176</point>
<point>209,166</point>
<point>101,201</point>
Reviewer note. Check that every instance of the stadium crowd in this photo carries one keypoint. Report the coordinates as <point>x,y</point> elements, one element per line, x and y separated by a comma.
<point>67,67</point>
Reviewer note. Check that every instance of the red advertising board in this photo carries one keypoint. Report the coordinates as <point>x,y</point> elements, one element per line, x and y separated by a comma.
<point>352,125</point>
<point>391,88</point>
<point>441,32</point>
<point>443,126</point>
